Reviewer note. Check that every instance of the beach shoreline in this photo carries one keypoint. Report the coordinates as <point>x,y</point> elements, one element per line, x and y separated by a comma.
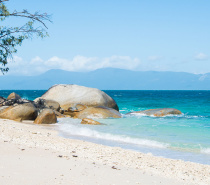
<point>122,166</point>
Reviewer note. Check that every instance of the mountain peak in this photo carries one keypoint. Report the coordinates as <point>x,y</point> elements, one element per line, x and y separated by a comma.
<point>111,79</point>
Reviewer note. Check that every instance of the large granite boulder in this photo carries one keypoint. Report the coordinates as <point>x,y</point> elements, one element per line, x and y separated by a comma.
<point>68,95</point>
<point>98,112</point>
<point>47,116</point>
<point>90,122</point>
<point>26,111</point>
<point>43,103</point>
<point>158,112</point>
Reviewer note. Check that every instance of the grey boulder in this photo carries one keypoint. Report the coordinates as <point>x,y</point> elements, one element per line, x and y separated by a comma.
<point>69,95</point>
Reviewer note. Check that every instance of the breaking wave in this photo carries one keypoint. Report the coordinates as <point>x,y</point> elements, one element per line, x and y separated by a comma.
<point>205,151</point>
<point>72,127</point>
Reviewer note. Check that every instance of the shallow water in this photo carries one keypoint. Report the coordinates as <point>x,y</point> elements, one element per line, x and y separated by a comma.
<point>186,136</point>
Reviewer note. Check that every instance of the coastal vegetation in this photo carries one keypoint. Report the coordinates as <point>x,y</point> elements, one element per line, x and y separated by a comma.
<point>12,36</point>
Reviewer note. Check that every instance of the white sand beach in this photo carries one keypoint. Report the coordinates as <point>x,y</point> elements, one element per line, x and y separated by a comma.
<point>32,154</point>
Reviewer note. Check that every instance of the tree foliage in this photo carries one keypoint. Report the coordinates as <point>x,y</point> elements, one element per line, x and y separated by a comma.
<point>11,37</point>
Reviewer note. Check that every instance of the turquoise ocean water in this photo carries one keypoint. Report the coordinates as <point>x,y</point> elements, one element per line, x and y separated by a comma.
<point>185,137</point>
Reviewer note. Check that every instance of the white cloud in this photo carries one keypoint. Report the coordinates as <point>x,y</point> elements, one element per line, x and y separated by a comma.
<point>36,60</point>
<point>78,63</point>
<point>153,58</point>
<point>38,65</point>
<point>201,56</point>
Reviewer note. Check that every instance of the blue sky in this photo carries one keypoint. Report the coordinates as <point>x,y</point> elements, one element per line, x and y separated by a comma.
<point>144,35</point>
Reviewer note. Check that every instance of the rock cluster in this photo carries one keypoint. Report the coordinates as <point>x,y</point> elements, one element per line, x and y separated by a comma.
<point>12,99</point>
<point>60,101</point>
<point>68,101</point>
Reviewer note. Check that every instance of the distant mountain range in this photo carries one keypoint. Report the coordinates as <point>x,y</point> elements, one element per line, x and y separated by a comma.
<point>110,79</point>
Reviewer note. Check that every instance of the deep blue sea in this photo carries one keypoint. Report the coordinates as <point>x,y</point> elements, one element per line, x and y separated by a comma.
<point>185,137</point>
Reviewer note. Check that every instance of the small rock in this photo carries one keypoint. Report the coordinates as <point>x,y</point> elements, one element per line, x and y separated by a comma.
<point>18,120</point>
<point>47,116</point>
<point>13,96</point>
<point>90,121</point>
<point>77,107</point>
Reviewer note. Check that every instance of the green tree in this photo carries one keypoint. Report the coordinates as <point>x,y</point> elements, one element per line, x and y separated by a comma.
<point>11,37</point>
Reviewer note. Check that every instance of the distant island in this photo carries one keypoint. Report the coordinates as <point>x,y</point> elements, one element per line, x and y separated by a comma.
<point>109,79</point>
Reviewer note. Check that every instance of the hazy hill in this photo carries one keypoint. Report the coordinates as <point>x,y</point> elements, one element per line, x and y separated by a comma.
<point>110,78</point>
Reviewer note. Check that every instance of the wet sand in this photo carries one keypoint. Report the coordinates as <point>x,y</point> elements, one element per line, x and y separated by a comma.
<point>33,154</point>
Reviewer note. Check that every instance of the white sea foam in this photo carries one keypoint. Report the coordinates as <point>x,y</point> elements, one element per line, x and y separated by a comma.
<point>145,115</point>
<point>168,115</point>
<point>73,128</point>
<point>135,114</point>
<point>205,150</point>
